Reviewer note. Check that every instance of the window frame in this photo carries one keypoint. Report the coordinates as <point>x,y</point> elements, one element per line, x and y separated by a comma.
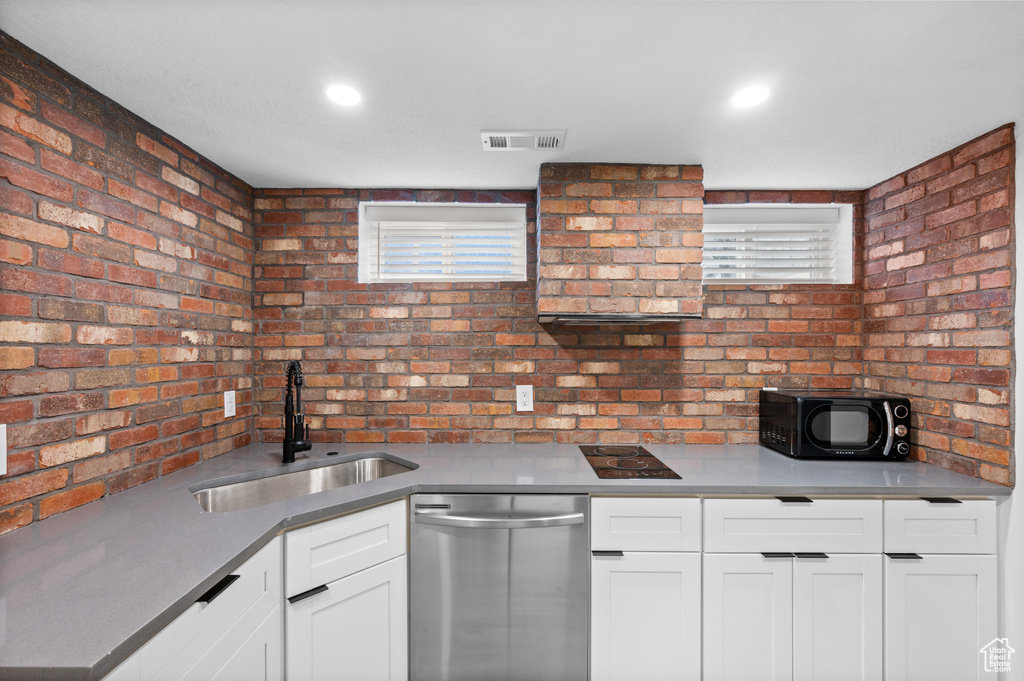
<point>439,222</point>
<point>782,220</point>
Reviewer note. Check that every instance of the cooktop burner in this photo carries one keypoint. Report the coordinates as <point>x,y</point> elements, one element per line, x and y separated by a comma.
<point>625,461</point>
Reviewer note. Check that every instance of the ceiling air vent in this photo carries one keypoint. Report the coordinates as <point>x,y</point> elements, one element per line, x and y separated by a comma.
<point>523,140</point>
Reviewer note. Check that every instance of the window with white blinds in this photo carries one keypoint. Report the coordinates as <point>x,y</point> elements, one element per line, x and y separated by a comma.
<point>778,243</point>
<point>441,242</point>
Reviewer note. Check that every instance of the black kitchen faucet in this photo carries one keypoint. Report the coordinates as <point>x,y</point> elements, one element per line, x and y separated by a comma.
<point>293,418</point>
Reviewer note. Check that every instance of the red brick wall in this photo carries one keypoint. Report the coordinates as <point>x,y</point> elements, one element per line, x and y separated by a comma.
<point>438,363</point>
<point>127,305</point>
<point>939,302</point>
<point>125,296</point>
<point>620,239</point>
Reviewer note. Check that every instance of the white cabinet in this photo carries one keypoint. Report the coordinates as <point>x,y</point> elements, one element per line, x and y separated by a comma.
<point>355,630</point>
<point>780,618</point>
<point>645,592</point>
<point>645,524</point>
<point>321,553</point>
<point>837,608</point>
<point>943,526</point>
<point>792,524</point>
<point>941,601</point>
<point>346,616</point>
<point>645,616</point>
<point>790,590</point>
<point>748,617</point>
<point>939,612</point>
<point>248,653</point>
<point>234,635</point>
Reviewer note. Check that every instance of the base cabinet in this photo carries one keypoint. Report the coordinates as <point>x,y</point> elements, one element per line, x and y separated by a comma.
<point>257,656</point>
<point>808,609</point>
<point>940,610</point>
<point>354,631</point>
<point>346,611</point>
<point>837,618</point>
<point>781,618</point>
<point>233,635</point>
<point>748,618</point>
<point>645,573</point>
<point>645,617</point>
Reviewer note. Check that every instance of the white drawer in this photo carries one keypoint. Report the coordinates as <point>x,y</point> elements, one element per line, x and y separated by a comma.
<point>321,553</point>
<point>919,526</point>
<point>253,596</point>
<point>644,524</point>
<point>821,525</point>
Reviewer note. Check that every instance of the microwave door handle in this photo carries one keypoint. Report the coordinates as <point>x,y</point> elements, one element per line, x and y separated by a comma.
<point>890,428</point>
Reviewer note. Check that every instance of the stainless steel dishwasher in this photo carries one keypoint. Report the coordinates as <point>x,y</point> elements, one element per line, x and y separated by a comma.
<point>499,588</point>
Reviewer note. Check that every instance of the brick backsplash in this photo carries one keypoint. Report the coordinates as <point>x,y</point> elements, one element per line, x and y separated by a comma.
<point>439,362</point>
<point>938,301</point>
<point>125,295</point>
<point>133,271</point>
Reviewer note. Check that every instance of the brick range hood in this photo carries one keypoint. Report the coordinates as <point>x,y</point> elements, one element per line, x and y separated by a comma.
<point>619,243</point>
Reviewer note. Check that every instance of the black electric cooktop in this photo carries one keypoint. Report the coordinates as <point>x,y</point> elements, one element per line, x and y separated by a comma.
<point>620,462</point>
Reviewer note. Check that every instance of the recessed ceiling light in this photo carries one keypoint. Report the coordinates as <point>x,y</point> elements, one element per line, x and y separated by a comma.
<point>750,96</point>
<point>346,95</point>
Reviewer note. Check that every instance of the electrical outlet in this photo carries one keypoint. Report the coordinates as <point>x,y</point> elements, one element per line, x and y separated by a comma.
<point>524,398</point>
<point>229,403</point>
<point>3,449</point>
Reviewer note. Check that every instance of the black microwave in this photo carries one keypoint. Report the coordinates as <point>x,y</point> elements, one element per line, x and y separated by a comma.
<point>835,424</point>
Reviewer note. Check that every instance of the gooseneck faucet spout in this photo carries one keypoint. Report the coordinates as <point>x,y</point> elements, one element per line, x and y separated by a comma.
<point>296,432</point>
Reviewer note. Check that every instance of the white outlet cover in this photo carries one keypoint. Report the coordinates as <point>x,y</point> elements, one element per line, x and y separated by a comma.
<point>229,403</point>
<point>524,398</point>
<point>3,449</point>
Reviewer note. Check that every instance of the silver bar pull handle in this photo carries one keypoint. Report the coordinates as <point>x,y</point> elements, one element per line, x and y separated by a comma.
<point>499,523</point>
<point>890,426</point>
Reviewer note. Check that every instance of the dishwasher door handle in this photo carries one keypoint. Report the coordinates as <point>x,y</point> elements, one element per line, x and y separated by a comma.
<point>499,523</point>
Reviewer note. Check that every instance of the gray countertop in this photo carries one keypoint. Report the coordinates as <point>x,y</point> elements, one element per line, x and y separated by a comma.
<point>81,591</point>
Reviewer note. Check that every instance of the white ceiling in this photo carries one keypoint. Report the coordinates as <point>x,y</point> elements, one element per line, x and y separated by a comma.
<point>861,90</point>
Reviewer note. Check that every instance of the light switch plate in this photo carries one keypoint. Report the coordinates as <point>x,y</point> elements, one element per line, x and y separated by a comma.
<point>524,398</point>
<point>3,449</point>
<point>229,403</point>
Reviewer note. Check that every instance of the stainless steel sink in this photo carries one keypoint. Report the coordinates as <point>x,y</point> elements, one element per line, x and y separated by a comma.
<point>237,496</point>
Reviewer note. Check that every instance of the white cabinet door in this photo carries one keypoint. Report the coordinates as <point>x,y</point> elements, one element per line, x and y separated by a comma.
<point>207,636</point>
<point>829,525</point>
<point>939,612</point>
<point>645,524</point>
<point>645,617</point>
<point>916,525</point>
<point>837,618</point>
<point>247,655</point>
<point>748,617</point>
<point>332,549</point>
<point>356,630</point>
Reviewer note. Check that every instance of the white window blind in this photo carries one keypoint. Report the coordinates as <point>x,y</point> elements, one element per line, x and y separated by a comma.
<point>441,242</point>
<point>778,243</point>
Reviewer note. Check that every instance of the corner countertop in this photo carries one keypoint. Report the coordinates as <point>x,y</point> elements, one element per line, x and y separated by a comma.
<point>81,591</point>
